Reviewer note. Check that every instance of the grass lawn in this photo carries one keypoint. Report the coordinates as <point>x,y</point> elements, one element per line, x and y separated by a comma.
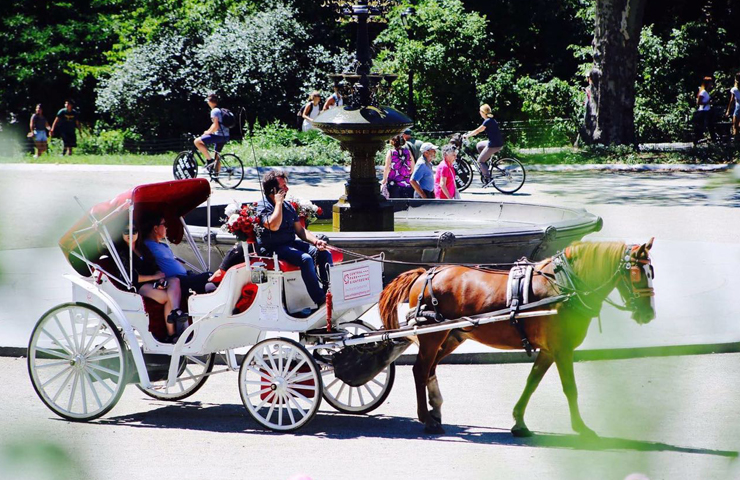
<point>317,154</point>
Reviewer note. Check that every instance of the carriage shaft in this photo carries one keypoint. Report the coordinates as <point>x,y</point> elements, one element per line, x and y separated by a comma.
<point>438,327</point>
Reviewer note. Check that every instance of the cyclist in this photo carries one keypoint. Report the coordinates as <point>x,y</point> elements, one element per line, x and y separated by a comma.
<point>217,134</point>
<point>487,148</point>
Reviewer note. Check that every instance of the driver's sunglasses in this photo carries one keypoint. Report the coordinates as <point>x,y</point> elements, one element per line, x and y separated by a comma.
<point>134,231</point>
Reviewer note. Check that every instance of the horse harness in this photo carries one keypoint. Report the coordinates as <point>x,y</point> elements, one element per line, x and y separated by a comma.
<point>519,288</point>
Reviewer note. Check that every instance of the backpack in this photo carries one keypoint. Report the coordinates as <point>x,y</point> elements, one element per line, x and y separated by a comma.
<point>227,118</point>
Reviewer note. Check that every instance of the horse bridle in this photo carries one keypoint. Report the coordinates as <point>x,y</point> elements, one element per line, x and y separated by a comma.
<point>629,270</point>
<point>634,268</point>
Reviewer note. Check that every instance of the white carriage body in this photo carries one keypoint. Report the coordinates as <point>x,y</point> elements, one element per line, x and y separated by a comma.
<point>355,287</point>
<point>111,343</point>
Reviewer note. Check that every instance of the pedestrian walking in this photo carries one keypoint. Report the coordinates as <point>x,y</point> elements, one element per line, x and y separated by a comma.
<point>413,144</point>
<point>703,115</point>
<point>422,179</point>
<point>39,131</point>
<point>444,177</point>
<point>311,110</point>
<point>334,100</point>
<point>399,162</point>
<point>733,107</point>
<point>66,125</point>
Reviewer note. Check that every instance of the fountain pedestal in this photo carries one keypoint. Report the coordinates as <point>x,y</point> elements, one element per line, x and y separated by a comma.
<point>362,132</point>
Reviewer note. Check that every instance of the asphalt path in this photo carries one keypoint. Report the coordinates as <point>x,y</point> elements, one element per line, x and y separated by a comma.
<point>667,418</point>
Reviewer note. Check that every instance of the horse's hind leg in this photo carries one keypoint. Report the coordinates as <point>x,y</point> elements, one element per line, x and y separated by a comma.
<point>564,362</point>
<point>435,395</point>
<point>541,365</point>
<point>429,345</point>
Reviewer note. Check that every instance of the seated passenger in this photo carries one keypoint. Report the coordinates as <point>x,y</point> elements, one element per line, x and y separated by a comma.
<point>155,230</point>
<point>148,280</point>
<point>281,225</point>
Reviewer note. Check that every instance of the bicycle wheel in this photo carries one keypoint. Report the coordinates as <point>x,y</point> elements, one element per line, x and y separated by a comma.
<point>508,175</point>
<point>463,173</point>
<point>231,173</point>
<point>185,166</point>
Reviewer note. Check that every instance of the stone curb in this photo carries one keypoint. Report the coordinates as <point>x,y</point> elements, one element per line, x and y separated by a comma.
<point>36,167</point>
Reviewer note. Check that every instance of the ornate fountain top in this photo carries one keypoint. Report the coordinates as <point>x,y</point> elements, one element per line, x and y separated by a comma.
<point>361,114</point>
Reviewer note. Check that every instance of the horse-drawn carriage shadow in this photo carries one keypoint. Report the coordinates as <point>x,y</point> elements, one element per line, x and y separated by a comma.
<point>231,418</point>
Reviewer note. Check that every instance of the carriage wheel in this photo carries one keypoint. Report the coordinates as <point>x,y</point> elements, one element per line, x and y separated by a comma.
<point>77,361</point>
<point>193,373</point>
<point>362,399</point>
<point>280,383</point>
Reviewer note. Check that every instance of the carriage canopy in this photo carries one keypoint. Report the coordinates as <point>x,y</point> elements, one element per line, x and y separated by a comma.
<point>172,200</point>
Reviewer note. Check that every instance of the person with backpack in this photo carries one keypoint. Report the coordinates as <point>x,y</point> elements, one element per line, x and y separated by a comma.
<point>218,134</point>
<point>311,111</point>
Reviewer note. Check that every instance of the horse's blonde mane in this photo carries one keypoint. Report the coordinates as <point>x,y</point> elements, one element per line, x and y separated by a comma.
<point>595,262</point>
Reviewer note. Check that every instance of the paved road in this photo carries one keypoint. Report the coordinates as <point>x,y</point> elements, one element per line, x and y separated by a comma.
<point>669,418</point>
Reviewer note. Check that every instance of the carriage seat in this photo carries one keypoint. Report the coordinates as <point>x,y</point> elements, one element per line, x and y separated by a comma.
<point>284,266</point>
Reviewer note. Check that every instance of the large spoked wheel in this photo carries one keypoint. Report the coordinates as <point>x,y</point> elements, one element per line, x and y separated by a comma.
<point>463,174</point>
<point>77,361</point>
<point>508,175</point>
<point>185,166</point>
<point>231,173</point>
<point>362,399</point>
<point>280,384</point>
<point>193,373</point>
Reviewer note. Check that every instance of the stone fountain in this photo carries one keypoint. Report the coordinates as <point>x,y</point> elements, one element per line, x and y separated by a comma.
<point>362,128</point>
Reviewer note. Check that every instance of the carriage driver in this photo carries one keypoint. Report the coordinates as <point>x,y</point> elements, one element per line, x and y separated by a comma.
<point>281,224</point>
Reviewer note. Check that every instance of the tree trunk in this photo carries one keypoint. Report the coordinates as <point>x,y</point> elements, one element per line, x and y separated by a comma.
<point>610,108</point>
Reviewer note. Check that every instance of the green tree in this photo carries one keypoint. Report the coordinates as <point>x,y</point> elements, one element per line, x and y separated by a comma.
<point>447,50</point>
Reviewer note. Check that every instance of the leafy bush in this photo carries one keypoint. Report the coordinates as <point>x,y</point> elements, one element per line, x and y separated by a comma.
<point>106,142</point>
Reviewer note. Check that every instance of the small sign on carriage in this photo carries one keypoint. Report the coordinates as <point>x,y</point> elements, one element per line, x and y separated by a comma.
<point>356,283</point>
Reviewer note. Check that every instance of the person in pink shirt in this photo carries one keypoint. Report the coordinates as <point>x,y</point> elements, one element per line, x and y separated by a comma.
<point>444,177</point>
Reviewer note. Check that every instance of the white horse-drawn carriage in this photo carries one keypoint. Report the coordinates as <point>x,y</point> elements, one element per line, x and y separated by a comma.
<point>82,354</point>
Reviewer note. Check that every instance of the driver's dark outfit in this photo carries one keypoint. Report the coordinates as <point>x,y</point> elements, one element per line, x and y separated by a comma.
<point>284,243</point>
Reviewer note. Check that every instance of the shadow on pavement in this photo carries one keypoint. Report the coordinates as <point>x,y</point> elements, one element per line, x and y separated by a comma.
<point>233,418</point>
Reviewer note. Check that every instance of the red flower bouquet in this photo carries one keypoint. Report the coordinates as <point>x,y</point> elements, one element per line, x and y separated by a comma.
<point>243,222</point>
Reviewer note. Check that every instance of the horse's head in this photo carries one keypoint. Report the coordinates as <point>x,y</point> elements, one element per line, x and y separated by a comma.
<point>635,284</point>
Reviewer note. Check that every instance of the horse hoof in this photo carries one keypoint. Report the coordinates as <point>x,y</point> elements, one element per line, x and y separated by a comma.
<point>433,428</point>
<point>436,418</point>
<point>521,432</point>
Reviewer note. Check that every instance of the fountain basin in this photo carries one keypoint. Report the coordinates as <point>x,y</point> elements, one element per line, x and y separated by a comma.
<point>449,232</point>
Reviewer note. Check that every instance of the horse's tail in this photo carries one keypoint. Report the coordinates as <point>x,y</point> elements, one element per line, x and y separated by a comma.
<point>396,292</point>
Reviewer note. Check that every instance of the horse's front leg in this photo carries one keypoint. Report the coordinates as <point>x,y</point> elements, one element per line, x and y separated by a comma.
<point>564,362</point>
<point>539,369</point>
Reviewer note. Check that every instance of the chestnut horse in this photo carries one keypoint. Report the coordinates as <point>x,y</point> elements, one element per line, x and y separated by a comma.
<point>587,271</point>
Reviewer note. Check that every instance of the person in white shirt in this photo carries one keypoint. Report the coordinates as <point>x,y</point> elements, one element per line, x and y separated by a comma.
<point>311,110</point>
<point>734,106</point>
<point>702,116</point>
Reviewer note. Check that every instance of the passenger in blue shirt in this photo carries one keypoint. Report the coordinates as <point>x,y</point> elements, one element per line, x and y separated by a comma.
<point>155,231</point>
<point>487,148</point>
<point>281,225</point>
<point>422,180</point>
<point>217,134</point>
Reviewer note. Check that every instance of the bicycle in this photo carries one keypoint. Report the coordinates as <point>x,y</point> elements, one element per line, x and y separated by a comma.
<point>230,175</point>
<point>507,174</point>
